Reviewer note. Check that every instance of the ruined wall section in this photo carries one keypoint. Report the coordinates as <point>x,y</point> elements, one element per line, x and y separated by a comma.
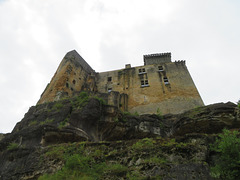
<point>72,75</point>
<point>165,87</point>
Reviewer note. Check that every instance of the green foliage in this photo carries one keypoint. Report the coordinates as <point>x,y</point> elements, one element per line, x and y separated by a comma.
<point>101,100</point>
<point>12,146</point>
<point>156,160</point>
<point>47,121</point>
<point>63,123</point>
<point>136,113</point>
<point>238,103</point>
<point>116,169</point>
<point>135,175</point>
<point>32,123</point>
<point>228,163</point>
<point>56,152</point>
<point>81,163</point>
<point>81,100</point>
<point>159,113</point>
<point>126,113</point>
<point>57,106</point>
<point>143,144</point>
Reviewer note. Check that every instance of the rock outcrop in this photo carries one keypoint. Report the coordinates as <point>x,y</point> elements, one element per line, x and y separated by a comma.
<point>88,119</point>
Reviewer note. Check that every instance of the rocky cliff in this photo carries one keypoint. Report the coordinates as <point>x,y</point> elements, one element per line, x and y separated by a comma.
<point>113,144</point>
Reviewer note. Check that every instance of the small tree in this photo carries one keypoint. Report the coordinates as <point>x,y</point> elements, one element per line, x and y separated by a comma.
<point>228,163</point>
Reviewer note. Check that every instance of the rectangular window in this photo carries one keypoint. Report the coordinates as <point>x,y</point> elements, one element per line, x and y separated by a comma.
<point>160,68</point>
<point>165,79</point>
<point>109,79</point>
<point>144,83</point>
<point>142,71</point>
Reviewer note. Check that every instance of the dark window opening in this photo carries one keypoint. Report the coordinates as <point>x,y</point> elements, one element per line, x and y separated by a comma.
<point>165,79</point>
<point>67,85</point>
<point>160,68</point>
<point>144,83</point>
<point>142,71</point>
<point>109,90</point>
<point>74,82</point>
<point>109,79</point>
<point>71,89</point>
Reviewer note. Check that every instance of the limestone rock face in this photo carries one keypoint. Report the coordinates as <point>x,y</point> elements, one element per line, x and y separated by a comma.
<point>89,119</point>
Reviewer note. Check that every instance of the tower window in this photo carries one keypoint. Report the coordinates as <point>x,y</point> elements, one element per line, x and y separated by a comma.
<point>160,68</point>
<point>67,85</point>
<point>142,71</point>
<point>74,81</point>
<point>109,79</point>
<point>109,90</point>
<point>144,83</point>
<point>165,79</point>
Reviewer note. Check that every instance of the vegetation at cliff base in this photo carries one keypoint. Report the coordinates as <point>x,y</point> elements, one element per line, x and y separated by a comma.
<point>228,163</point>
<point>81,100</point>
<point>12,146</point>
<point>238,103</point>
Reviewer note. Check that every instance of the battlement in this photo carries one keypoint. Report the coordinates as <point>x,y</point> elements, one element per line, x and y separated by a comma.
<point>180,62</point>
<point>157,58</point>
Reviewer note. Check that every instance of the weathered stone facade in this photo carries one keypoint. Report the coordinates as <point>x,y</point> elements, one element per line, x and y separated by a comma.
<point>160,85</point>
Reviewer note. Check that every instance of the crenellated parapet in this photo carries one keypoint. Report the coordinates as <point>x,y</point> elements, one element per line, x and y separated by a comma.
<point>180,62</point>
<point>157,58</point>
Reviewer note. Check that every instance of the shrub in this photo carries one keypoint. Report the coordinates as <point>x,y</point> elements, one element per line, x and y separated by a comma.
<point>64,123</point>
<point>12,146</point>
<point>47,121</point>
<point>81,100</point>
<point>143,144</point>
<point>57,106</point>
<point>101,100</point>
<point>32,123</point>
<point>228,163</point>
<point>159,113</point>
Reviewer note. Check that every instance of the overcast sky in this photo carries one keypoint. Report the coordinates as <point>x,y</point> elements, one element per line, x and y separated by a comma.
<point>36,34</point>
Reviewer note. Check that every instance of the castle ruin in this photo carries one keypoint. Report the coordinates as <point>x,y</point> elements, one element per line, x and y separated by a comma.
<point>160,85</point>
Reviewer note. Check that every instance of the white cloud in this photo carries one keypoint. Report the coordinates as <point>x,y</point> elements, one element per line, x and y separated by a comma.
<point>35,35</point>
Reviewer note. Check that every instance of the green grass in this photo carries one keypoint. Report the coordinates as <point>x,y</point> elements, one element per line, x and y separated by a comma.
<point>80,101</point>
<point>143,144</point>
<point>101,100</point>
<point>12,146</point>
<point>81,163</point>
<point>32,123</point>
<point>57,106</point>
<point>47,121</point>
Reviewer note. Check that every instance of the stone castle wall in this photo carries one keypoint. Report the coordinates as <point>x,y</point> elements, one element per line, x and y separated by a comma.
<point>73,74</point>
<point>168,87</point>
<point>160,85</point>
